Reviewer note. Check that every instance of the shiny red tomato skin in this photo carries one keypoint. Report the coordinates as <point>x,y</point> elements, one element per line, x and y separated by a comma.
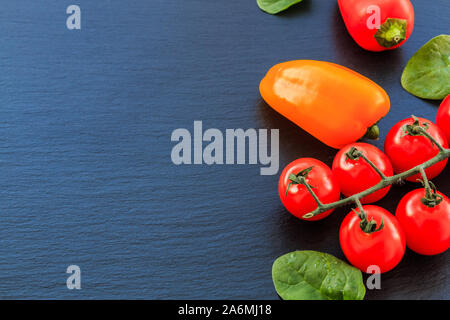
<point>384,248</point>
<point>427,229</point>
<point>406,151</point>
<point>355,176</point>
<point>299,201</point>
<point>443,117</point>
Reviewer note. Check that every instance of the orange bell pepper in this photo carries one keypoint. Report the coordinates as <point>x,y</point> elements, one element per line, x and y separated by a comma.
<point>336,105</point>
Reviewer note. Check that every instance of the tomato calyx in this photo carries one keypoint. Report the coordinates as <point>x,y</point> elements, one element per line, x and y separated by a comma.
<point>432,197</point>
<point>369,226</point>
<point>355,154</point>
<point>372,133</point>
<point>391,32</point>
<point>416,128</point>
<point>366,225</point>
<point>299,178</point>
<point>421,129</point>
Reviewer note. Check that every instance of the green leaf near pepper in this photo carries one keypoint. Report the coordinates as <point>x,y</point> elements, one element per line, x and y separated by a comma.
<point>427,74</point>
<point>276,6</point>
<point>312,275</point>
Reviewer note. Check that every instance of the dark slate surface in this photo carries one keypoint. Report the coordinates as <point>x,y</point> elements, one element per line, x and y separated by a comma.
<point>85,128</point>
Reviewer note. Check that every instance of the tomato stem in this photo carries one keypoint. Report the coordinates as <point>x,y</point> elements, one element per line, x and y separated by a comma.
<point>372,133</point>
<point>311,191</point>
<point>355,154</point>
<point>387,181</point>
<point>432,139</point>
<point>300,178</point>
<point>391,32</point>
<point>296,178</point>
<point>425,180</point>
<point>420,129</point>
<point>432,198</point>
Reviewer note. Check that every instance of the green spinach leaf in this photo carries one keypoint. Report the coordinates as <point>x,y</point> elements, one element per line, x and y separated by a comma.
<point>312,275</point>
<point>427,74</point>
<point>276,6</point>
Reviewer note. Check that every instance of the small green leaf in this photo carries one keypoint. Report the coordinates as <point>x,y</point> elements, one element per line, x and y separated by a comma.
<point>427,74</point>
<point>312,275</point>
<point>276,6</point>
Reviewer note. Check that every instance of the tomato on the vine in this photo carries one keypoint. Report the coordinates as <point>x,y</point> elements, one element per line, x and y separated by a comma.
<point>407,146</point>
<point>372,238</point>
<point>355,174</point>
<point>294,193</point>
<point>425,218</point>
<point>443,117</point>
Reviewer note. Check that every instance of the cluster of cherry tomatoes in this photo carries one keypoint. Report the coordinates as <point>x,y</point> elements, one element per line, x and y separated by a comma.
<point>370,235</point>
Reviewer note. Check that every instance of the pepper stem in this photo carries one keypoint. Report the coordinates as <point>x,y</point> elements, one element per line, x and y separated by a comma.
<point>391,32</point>
<point>373,133</point>
<point>420,129</point>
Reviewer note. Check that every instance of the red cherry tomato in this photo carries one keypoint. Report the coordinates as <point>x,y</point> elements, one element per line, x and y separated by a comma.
<point>443,117</point>
<point>407,151</point>
<point>378,25</point>
<point>355,174</point>
<point>384,248</point>
<point>427,229</point>
<point>297,200</point>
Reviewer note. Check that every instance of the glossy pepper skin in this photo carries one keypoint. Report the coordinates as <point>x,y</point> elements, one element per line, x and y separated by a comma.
<point>333,103</point>
<point>396,22</point>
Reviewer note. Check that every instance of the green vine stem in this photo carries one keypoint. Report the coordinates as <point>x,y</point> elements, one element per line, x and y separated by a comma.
<point>386,181</point>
